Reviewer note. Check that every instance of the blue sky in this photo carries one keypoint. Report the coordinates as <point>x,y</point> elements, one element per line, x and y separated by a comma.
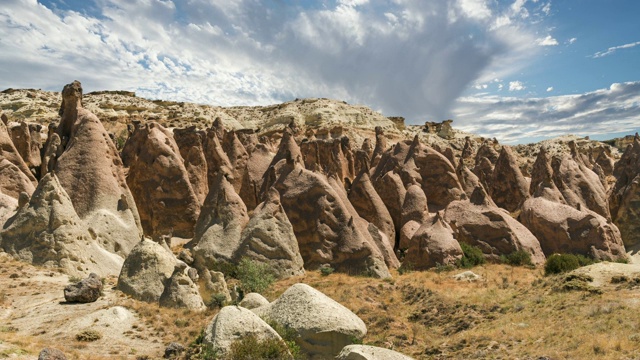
<point>518,70</point>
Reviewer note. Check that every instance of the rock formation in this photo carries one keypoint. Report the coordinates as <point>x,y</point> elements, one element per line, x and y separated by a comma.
<point>257,165</point>
<point>91,172</point>
<point>414,212</point>
<point>146,271</point>
<point>370,206</point>
<point>433,244</point>
<point>84,291</point>
<point>508,188</point>
<point>563,229</point>
<point>15,176</point>
<point>253,300</point>
<point>269,238</point>
<point>181,292</point>
<point>625,195</point>
<point>368,352</point>
<point>160,183</point>
<point>47,231</point>
<point>323,325</point>
<point>480,223</point>
<point>191,144</point>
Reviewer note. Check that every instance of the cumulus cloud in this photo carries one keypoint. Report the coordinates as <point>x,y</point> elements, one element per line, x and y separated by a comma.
<point>516,86</point>
<point>613,49</point>
<point>516,120</point>
<point>550,89</point>
<point>407,57</point>
<point>547,41</point>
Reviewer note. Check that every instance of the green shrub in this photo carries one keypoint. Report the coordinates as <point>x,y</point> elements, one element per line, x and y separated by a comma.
<point>405,268</point>
<point>471,256</point>
<point>218,301</point>
<point>254,276</point>
<point>250,347</point>
<point>326,270</point>
<point>88,335</point>
<point>289,335</point>
<point>560,263</point>
<point>517,258</point>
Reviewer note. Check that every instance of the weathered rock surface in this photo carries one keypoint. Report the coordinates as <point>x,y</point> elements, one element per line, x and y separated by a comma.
<point>232,324</point>
<point>47,231</point>
<point>433,244</point>
<point>625,195</point>
<point>369,205</point>
<point>160,183</point>
<point>146,271</point>
<point>91,172</point>
<point>257,165</point>
<point>392,192</point>
<point>563,229</point>
<point>10,153</point>
<point>269,238</point>
<point>191,144</point>
<point>253,300</point>
<point>27,147</point>
<point>181,292</point>
<point>219,227</point>
<point>324,326</point>
<point>51,354</point>
<point>508,188</point>
<point>85,291</point>
<point>367,352</point>
<point>480,223</point>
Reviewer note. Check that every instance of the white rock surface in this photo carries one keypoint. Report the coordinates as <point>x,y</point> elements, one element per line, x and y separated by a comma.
<point>366,352</point>
<point>253,300</point>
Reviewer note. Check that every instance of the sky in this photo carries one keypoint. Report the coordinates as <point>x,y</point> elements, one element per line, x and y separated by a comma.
<point>517,70</point>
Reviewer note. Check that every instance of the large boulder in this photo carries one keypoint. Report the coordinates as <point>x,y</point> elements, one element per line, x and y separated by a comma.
<point>160,182</point>
<point>433,244</point>
<point>91,171</point>
<point>269,238</point>
<point>323,325</point>
<point>84,291</point>
<point>367,352</point>
<point>253,300</point>
<point>219,227</point>
<point>233,323</point>
<point>625,194</point>
<point>508,188</point>
<point>563,229</point>
<point>480,223</point>
<point>146,270</point>
<point>181,292</point>
<point>47,231</point>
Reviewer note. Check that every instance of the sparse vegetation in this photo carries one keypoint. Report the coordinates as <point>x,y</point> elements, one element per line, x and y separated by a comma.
<point>471,256</point>
<point>517,258</point>
<point>561,263</point>
<point>88,335</point>
<point>254,276</point>
<point>289,336</point>
<point>326,270</point>
<point>250,347</point>
<point>218,301</point>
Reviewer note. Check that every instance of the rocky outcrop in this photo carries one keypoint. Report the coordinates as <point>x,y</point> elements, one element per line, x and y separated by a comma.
<point>13,181</point>
<point>238,158</point>
<point>580,187</point>
<point>433,244</point>
<point>563,229</point>
<point>27,140</point>
<point>365,199</point>
<point>181,292</point>
<point>233,323</point>
<point>47,231</point>
<point>146,271</point>
<point>367,352</point>
<point>480,223</point>
<point>414,212</point>
<point>269,238</point>
<point>84,291</point>
<point>9,152</point>
<point>91,172</point>
<point>323,325</point>
<point>332,157</point>
<point>219,227</point>
<point>51,354</point>
<point>542,184</point>
<point>625,195</point>
<point>484,171</point>
<point>253,300</point>
<point>191,144</point>
<point>508,188</point>
<point>392,193</point>
<point>160,183</point>
<point>257,166</point>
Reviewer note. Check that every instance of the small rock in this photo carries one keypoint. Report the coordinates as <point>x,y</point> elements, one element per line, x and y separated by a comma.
<point>253,300</point>
<point>174,349</point>
<point>366,352</point>
<point>84,291</point>
<point>468,276</point>
<point>51,354</point>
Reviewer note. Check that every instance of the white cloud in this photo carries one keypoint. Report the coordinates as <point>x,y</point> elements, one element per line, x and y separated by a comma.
<point>516,86</point>
<point>547,41</point>
<point>476,9</point>
<point>572,40</point>
<point>611,50</point>
<point>516,120</point>
<point>550,89</point>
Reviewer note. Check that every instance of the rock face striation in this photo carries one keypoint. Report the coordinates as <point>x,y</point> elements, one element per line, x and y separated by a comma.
<point>625,195</point>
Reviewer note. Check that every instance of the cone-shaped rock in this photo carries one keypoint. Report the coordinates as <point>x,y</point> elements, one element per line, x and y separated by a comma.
<point>160,183</point>
<point>563,229</point>
<point>508,188</point>
<point>191,144</point>
<point>269,238</point>
<point>9,152</point>
<point>433,244</point>
<point>542,184</point>
<point>47,231</point>
<point>257,166</point>
<point>181,292</point>
<point>369,205</point>
<point>91,172</point>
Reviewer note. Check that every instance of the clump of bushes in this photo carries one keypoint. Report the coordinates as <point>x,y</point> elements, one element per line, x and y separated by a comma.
<point>250,347</point>
<point>517,258</point>
<point>88,335</point>
<point>561,263</point>
<point>254,276</point>
<point>471,256</point>
<point>326,270</point>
